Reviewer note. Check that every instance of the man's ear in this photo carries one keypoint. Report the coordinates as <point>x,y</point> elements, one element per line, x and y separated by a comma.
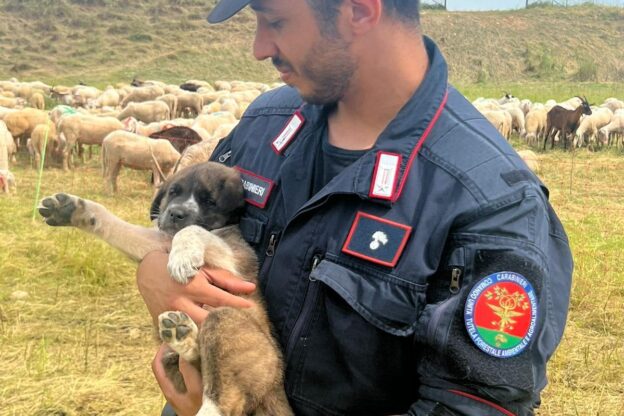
<point>364,14</point>
<point>155,208</point>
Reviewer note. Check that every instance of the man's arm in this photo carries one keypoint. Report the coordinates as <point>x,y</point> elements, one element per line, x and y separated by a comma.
<point>486,341</point>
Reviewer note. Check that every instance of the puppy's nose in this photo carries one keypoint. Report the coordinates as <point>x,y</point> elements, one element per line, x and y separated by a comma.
<point>177,215</point>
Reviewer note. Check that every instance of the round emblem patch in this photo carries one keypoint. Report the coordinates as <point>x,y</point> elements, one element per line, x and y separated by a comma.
<point>501,314</point>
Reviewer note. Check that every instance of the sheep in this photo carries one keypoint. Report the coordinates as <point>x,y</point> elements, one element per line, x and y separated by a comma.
<point>614,128</point>
<point>531,159</point>
<point>45,135</point>
<point>613,104</point>
<point>7,147</point>
<point>59,111</point>
<point>223,130</point>
<point>564,121</point>
<point>132,125</point>
<point>517,117</point>
<point>108,98</point>
<point>77,129</point>
<point>210,122</point>
<point>122,148</point>
<point>172,102</point>
<point>21,123</point>
<point>535,127</point>
<point>501,120</point>
<point>83,94</point>
<point>142,94</point>
<point>526,106</point>
<point>190,102</point>
<point>589,126</point>
<point>11,102</point>
<point>36,101</point>
<point>222,85</point>
<point>197,153</point>
<point>146,111</point>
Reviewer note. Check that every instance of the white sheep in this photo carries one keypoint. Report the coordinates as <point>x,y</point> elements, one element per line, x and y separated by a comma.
<point>37,101</point>
<point>21,123</point>
<point>501,120</point>
<point>78,129</point>
<point>210,122</point>
<point>122,148</point>
<point>615,129</point>
<point>589,126</point>
<point>146,111</point>
<point>535,125</point>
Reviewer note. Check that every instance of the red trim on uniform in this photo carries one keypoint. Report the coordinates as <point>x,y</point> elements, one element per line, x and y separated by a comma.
<point>396,176</point>
<point>481,400</point>
<point>419,145</point>
<point>394,261</point>
<point>271,183</point>
<point>292,136</point>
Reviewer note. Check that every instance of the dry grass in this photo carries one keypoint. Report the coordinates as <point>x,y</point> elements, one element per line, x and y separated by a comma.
<point>81,343</point>
<point>67,41</point>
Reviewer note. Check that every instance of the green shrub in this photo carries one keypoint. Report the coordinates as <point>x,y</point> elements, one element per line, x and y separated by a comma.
<point>587,71</point>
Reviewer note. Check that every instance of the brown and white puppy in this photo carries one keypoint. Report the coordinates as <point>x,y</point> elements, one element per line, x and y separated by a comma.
<point>197,211</point>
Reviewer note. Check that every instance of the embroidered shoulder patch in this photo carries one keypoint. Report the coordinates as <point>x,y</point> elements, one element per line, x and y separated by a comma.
<point>376,239</point>
<point>501,314</point>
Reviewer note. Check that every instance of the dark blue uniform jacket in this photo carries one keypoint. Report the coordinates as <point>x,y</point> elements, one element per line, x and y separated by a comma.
<point>379,327</point>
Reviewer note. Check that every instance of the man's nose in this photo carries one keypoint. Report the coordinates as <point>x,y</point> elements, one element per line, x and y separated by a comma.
<point>263,46</point>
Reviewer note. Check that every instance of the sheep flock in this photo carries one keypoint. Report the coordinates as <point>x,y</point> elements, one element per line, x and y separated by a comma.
<point>129,123</point>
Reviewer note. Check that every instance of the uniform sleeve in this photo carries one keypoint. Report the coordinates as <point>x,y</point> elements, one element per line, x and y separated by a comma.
<point>495,312</point>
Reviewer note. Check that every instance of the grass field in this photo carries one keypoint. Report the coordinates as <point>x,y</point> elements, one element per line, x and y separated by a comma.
<point>80,343</point>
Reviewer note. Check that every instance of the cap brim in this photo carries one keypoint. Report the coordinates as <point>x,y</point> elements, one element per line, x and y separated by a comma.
<point>226,9</point>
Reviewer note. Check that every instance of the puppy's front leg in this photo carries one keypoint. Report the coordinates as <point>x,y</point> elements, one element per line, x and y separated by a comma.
<point>193,247</point>
<point>133,240</point>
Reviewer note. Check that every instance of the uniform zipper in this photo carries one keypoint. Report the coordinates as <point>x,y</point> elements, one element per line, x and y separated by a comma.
<point>270,250</point>
<point>308,305</point>
<point>225,156</point>
<point>455,276</point>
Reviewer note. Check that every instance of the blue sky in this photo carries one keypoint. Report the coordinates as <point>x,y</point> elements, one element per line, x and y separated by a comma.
<point>454,5</point>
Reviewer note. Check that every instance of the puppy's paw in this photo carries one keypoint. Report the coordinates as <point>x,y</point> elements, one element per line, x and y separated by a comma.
<point>179,331</point>
<point>58,209</point>
<point>184,261</point>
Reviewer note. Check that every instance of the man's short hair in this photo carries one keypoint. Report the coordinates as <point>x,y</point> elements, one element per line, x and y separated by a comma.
<point>406,11</point>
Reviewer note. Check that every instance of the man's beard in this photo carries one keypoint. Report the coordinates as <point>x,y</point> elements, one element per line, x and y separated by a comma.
<point>328,68</point>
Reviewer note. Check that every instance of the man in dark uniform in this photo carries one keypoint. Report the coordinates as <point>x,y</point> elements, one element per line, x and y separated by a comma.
<point>410,260</point>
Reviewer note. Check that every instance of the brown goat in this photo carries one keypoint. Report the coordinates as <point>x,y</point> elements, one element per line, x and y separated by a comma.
<point>564,121</point>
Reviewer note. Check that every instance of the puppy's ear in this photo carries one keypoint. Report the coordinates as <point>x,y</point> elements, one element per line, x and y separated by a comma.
<point>155,208</point>
<point>231,193</point>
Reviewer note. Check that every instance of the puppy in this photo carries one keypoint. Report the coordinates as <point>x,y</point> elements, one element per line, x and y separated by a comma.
<point>197,211</point>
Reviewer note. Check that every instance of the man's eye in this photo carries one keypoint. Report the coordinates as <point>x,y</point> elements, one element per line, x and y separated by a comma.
<point>277,24</point>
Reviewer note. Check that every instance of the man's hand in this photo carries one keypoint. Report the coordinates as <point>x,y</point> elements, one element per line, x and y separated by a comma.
<point>183,403</point>
<point>208,289</point>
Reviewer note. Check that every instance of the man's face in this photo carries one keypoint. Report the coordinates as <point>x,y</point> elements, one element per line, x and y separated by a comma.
<point>318,65</point>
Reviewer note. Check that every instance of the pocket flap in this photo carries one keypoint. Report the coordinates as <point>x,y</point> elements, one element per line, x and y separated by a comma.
<point>389,303</point>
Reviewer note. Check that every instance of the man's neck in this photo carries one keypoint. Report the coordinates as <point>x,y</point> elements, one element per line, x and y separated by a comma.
<point>384,82</point>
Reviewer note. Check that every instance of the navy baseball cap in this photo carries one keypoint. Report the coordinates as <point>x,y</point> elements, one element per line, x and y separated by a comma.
<point>226,9</point>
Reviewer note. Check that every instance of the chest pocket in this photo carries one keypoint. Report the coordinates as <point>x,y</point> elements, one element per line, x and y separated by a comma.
<point>386,301</point>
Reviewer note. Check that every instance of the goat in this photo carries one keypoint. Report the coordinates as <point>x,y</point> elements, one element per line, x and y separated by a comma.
<point>560,120</point>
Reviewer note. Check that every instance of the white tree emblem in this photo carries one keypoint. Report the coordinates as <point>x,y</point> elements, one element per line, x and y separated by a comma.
<point>379,238</point>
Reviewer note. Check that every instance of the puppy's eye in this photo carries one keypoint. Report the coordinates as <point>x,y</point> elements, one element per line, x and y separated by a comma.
<point>205,198</point>
<point>174,190</point>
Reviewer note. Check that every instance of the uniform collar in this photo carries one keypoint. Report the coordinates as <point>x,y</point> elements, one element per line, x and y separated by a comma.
<point>401,136</point>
